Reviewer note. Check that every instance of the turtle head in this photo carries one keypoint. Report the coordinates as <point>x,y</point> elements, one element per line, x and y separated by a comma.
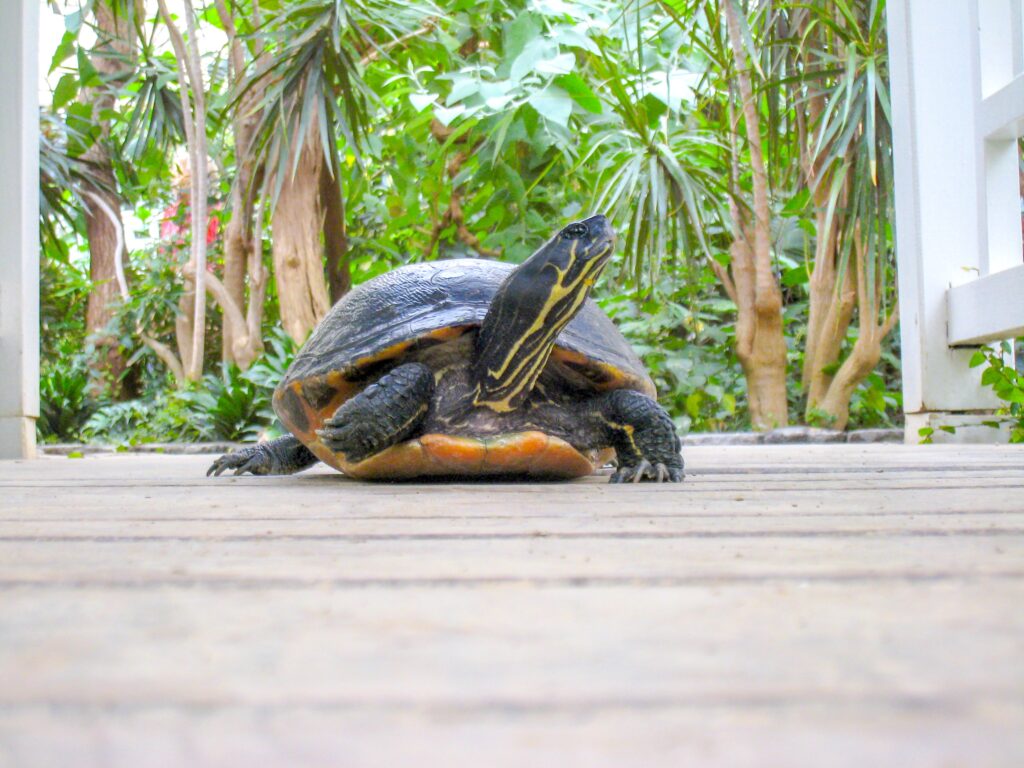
<point>534,303</point>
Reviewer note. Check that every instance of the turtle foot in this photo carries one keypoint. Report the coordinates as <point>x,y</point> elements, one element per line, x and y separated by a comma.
<point>284,456</point>
<point>255,460</point>
<point>658,473</point>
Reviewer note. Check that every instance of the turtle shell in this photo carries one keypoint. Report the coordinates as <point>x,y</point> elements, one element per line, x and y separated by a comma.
<point>380,320</point>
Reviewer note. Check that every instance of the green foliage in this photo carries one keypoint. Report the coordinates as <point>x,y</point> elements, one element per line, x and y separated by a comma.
<point>548,111</point>
<point>1008,384</point>
<point>228,406</point>
<point>64,404</point>
<point>162,417</point>
<point>269,369</point>
<point>687,351</point>
<point>927,434</point>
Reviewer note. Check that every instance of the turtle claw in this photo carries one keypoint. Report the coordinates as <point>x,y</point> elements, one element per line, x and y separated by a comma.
<point>345,439</point>
<point>251,459</point>
<point>644,470</point>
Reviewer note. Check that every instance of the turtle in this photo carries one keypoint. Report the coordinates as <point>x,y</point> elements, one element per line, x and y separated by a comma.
<point>473,368</point>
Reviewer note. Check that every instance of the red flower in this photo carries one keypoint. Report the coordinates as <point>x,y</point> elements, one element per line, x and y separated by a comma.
<point>212,229</point>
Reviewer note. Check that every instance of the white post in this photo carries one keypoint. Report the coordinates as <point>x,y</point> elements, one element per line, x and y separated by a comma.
<point>943,225</point>
<point>19,227</point>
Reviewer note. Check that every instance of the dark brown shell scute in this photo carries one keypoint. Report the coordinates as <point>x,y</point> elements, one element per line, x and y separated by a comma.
<point>383,317</point>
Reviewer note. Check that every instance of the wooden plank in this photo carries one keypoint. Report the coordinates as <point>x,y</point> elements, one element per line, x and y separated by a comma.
<point>552,524</point>
<point>789,605</point>
<point>863,668</point>
<point>300,563</point>
<point>763,643</point>
<point>125,470</point>
<point>842,735</point>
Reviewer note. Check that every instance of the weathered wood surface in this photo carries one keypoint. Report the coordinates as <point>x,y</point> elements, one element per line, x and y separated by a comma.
<point>834,605</point>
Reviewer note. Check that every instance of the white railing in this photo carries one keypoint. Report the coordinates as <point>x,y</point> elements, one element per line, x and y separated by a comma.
<point>19,227</point>
<point>958,110</point>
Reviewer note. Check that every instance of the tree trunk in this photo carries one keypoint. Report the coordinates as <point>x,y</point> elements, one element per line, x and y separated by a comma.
<point>297,223</point>
<point>236,256</point>
<point>760,343</point>
<point>238,234</point>
<point>339,279</point>
<point>191,90</point>
<point>114,48</point>
<point>835,403</point>
<point>184,328</point>
<point>832,293</point>
<point>873,326</point>
<point>107,365</point>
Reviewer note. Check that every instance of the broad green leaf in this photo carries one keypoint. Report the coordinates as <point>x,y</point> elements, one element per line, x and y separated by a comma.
<point>581,93</point>
<point>421,101</point>
<point>462,86</point>
<point>575,38</point>
<point>1014,395</point>
<point>991,376</point>
<point>536,51</point>
<point>553,104</point>
<point>445,115</point>
<point>519,33</point>
<point>64,51</point>
<point>66,90</point>
<point>693,401</point>
<point>87,74</point>
<point>561,64</point>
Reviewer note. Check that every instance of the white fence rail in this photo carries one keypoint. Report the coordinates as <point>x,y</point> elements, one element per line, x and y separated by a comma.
<point>958,110</point>
<point>19,225</point>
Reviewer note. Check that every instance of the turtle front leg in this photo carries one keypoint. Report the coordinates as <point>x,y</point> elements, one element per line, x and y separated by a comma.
<point>643,435</point>
<point>384,414</point>
<point>284,456</point>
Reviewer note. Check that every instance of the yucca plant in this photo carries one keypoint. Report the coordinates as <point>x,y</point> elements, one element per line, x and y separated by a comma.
<point>655,174</point>
<point>827,70</point>
<point>797,92</point>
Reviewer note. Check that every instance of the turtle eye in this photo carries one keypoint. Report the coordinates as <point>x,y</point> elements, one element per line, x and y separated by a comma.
<point>575,231</point>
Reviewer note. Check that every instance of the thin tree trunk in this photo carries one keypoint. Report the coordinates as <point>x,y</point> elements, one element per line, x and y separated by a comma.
<point>114,51</point>
<point>239,345</point>
<point>190,81</point>
<point>297,223</point>
<point>184,328</point>
<point>867,350</point>
<point>113,217</point>
<point>760,343</point>
<point>107,365</point>
<point>339,279</point>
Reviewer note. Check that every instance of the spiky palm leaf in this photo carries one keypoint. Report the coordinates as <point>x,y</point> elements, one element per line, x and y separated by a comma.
<point>314,72</point>
<point>655,174</point>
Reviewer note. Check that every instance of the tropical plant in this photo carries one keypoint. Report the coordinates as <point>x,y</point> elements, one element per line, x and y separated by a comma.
<point>1008,384</point>
<point>64,404</point>
<point>228,406</point>
<point>741,148</point>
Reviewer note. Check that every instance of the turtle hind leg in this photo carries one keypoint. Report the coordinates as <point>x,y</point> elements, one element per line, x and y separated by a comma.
<point>643,435</point>
<point>284,456</point>
<point>384,414</point>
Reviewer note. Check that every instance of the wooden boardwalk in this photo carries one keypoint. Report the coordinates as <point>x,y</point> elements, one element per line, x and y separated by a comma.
<point>835,605</point>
